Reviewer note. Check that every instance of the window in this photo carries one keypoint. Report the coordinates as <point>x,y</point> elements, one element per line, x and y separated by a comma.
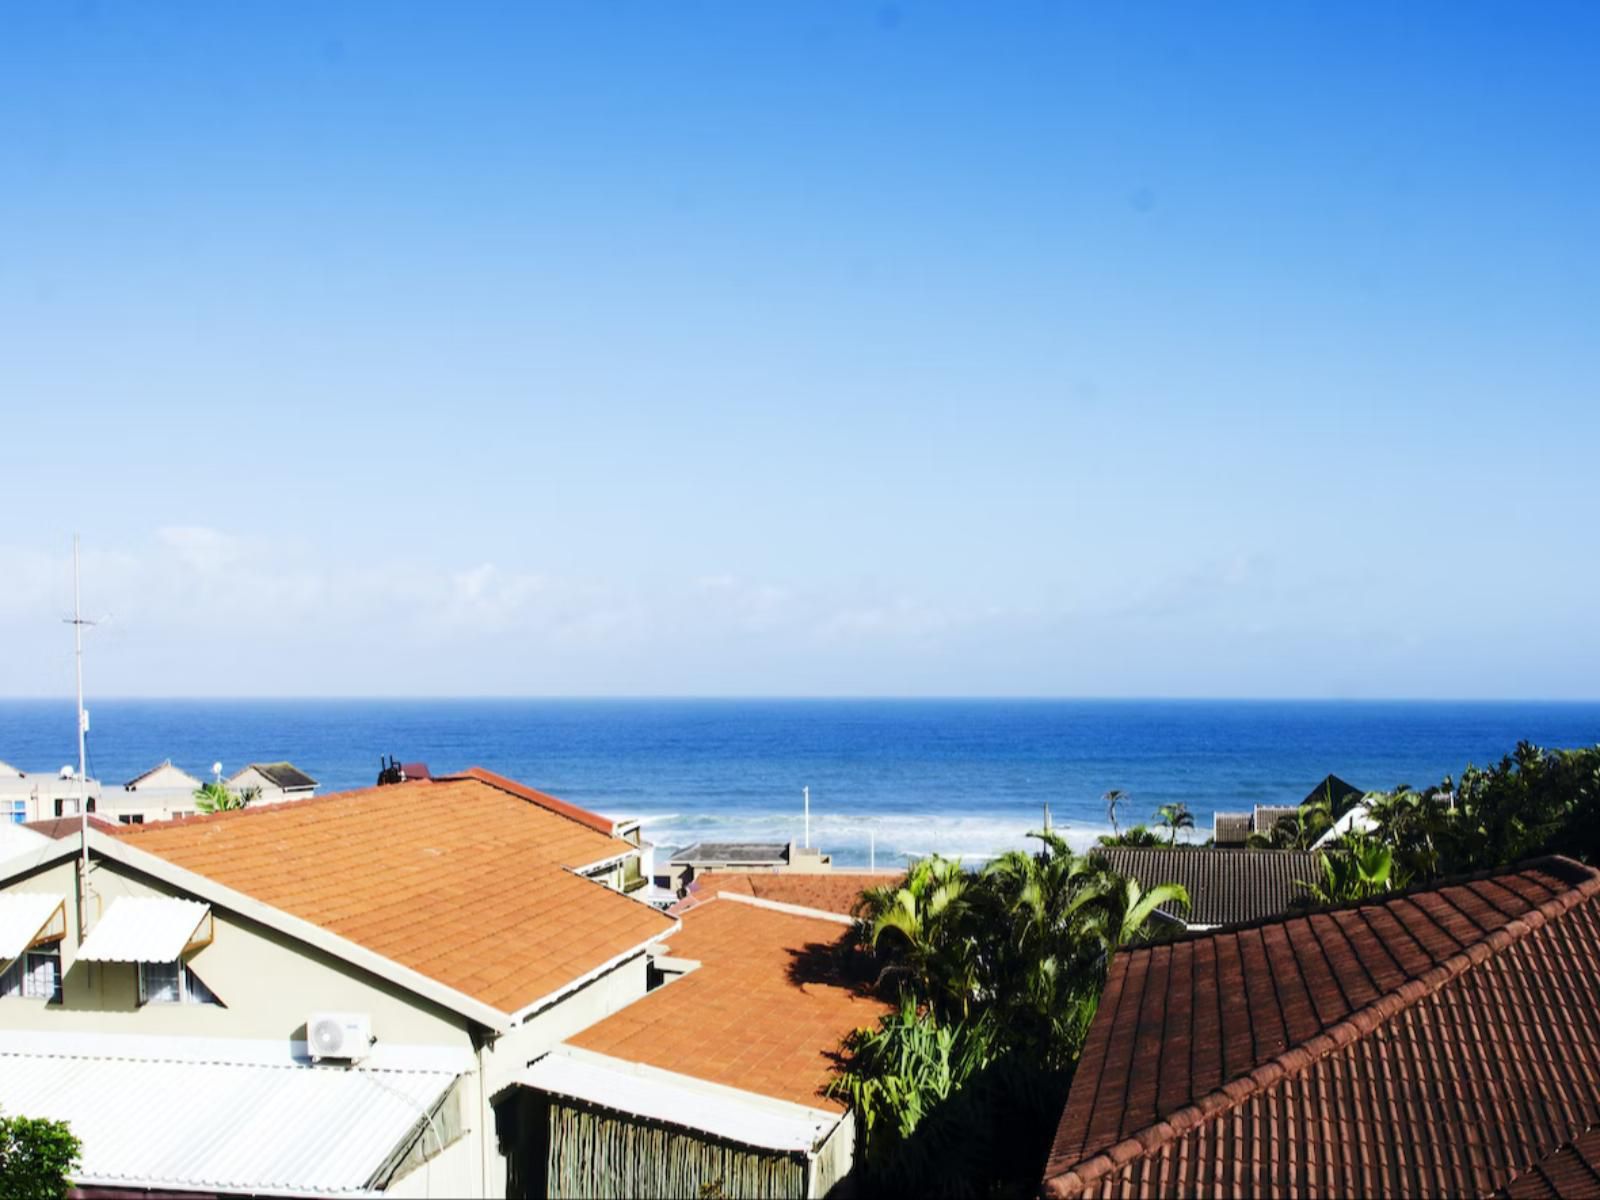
<point>18,811</point>
<point>131,818</point>
<point>172,983</point>
<point>34,976</point>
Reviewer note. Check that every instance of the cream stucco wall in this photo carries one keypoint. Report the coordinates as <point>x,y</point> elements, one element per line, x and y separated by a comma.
<point>269,982</point>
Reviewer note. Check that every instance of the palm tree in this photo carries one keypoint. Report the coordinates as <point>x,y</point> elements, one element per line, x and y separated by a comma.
<point>1173,817</point>
<point>1129,909</point>
<point>923,919</point>
<point>1112,799</point>
<point>215,796</point>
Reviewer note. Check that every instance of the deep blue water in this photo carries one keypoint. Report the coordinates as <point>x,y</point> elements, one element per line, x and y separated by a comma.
<point>959,776</point>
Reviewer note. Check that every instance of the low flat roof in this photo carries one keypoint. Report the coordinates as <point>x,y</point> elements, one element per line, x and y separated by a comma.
<point>703,853</point>
<point>192,1114</point>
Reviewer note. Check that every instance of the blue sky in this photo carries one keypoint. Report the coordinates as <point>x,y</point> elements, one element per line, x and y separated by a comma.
<point>1181,349</point>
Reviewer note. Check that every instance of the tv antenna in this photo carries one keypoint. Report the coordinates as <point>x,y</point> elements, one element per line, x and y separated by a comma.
<point>77,621</point>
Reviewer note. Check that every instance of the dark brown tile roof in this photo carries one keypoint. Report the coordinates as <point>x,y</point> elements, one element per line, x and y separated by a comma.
<point>1437,1042</point>
<point>1230,829</point>
<point>1571,1173</point>
<point>57,828</point>
<point>283,774</point>
<point>1225,886</point>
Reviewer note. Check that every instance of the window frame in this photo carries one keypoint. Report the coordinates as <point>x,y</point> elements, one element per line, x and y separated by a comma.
<point>190,988</point>
<point>21,973</point>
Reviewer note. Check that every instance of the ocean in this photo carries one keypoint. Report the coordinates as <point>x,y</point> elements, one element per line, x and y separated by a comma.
<point>887,777</point>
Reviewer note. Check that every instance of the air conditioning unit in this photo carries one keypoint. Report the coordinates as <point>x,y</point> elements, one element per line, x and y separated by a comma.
<point>343,1036</point>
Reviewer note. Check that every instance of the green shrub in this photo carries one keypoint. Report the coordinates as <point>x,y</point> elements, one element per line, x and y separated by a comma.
<point>37,1157</point>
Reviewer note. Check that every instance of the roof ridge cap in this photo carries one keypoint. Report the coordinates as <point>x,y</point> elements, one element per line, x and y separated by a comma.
<point>551,804</point>
<point>1297,1058</point>
<point>132,832</point>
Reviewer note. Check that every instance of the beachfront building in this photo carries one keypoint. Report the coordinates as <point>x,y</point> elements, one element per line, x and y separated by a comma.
<point>27,796</point>
<point>1443,1041</point>
<point>335,996</point>
<point>716,1079</point>
<point>1225,887</point>
<point>683,866</point>
<point>274,782</point>
<point>1232,830</point>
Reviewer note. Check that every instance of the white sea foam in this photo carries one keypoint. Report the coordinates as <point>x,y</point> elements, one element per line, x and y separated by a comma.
<point>851,839</point>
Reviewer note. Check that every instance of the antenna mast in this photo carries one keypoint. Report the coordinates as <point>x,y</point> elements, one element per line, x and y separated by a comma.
<point>77,622</point>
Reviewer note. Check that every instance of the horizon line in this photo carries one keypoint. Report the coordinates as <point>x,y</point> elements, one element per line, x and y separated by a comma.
<point>801,697</point>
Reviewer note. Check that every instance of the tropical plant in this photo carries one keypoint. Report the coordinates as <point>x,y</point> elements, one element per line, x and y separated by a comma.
<point>1174,817</point>
<point>1356,868</point>
<point>1114,799</point>
<point>37,1157</point>
<point>1138,836</point>
<point>1532,802</point>
<point>999,973</point>
<point>1299,830</point>
<point>922,923</point>
<point>1128,911</point>
<point>216,796</point>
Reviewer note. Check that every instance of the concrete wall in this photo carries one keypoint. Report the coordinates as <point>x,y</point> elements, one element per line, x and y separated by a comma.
<point>452,1173</point>
<point>504,1061</point>
<point>267,982</point>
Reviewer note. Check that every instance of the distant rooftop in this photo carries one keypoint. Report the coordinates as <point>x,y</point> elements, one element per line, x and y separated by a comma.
<point>281,774</point>
<point>711,854</point>
<point>1224,886</point>
<point>826,891</point>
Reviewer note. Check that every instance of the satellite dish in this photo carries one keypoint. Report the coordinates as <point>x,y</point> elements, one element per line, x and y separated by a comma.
<point>67,772</point>
<point>216,769</point>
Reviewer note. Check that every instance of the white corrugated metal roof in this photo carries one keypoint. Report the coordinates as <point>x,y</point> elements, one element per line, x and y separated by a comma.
<point>152,1121</point>
<point>152,929</point>
<point>657,1095</point>
<point>22,916</point>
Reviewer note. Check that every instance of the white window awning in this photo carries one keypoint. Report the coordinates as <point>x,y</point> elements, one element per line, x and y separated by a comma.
<point>151,929</point>
<point>28,918</point>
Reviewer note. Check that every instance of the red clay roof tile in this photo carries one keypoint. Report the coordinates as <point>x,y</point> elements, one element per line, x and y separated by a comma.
<point>1441,1042</point>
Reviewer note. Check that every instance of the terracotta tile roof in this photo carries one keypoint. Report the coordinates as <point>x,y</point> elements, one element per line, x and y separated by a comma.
<point>1570,1173</point>
<point>828,891</point>
<point>764,1012</point>
<point>462,880</point>
<point>1438,1042</point>
<point>556,805</point>
<point>1224,886</point>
